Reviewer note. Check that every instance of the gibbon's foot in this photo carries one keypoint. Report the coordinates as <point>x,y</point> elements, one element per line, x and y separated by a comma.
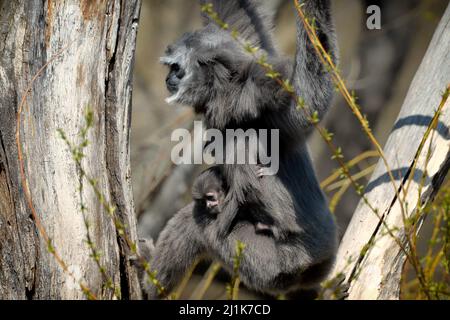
<point>146,248</point>
<point>335,289</point>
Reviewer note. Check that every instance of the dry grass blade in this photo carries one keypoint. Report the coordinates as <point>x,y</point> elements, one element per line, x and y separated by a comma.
<point>205,283</point>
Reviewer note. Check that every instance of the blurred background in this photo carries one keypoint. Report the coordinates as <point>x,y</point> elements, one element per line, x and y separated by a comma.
<point>377,64</point>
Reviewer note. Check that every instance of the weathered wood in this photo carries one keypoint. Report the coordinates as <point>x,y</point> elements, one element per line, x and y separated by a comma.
<point>95,71</point>
<point>379,269</point>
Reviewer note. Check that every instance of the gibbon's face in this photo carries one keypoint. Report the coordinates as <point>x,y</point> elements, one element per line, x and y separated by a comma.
<point>210,199</point>
<point>200,63</point>
<point>208,193</point>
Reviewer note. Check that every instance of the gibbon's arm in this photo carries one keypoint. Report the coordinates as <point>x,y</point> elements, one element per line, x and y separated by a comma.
<point>243,188</point>
<point>247,17</point>
<point>176,250</point>
<point>311,80</point>
<point>253,95</point>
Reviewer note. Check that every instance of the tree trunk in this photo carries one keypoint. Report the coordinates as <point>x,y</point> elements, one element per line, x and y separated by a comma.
<point>96,42</point>
<point>376,273</point>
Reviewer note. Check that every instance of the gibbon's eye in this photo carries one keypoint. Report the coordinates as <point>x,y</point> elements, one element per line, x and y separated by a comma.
<point>210,197</point>
<point>174,67</point>
<point>177,70</point>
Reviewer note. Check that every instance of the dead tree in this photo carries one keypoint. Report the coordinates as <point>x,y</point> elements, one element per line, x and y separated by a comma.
<point>369,256</point>
<point>82,53</point>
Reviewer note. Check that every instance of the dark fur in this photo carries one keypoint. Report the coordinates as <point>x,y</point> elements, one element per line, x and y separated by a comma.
<point>247,18</point>
<point>226,85</point>
<point>269,264</point>
<point>212,182</point>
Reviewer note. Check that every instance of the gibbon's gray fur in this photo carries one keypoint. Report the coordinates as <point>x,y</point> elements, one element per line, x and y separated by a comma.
<point>209,191</point>
<point>210,71</point>
<point>267,264</point>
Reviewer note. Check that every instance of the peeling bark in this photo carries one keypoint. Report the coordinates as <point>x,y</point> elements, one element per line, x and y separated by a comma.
<point>95,70</point>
